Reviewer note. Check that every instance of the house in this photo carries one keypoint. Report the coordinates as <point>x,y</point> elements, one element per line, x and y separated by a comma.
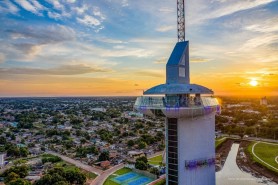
<point>135,154</point>
<point>105,164</point>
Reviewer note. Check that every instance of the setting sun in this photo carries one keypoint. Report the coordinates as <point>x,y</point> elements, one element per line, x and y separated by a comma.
<point>253,83</point>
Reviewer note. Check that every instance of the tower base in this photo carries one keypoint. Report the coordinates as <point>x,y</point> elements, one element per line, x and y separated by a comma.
<point>190,150</point>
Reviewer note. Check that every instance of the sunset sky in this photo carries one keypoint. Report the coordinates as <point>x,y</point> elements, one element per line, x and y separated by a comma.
<point>120,47</point>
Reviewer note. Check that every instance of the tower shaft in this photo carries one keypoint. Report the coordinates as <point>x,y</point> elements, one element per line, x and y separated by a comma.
<point>181,20</point>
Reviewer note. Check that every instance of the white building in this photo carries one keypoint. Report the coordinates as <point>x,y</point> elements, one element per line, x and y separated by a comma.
<point>2,160</point>
<point>190,122</point>
<point>190,118</point>
<point>263,101</point>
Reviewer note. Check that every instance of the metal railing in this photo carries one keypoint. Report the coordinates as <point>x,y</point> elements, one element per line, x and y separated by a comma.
<point>175,102</point>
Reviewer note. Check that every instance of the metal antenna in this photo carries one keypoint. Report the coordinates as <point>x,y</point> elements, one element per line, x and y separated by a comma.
<point>181,21</point>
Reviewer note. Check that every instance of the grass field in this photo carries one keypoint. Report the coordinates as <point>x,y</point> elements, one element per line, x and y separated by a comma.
<point>68,166</point>
<point>266,152</point>
<point>155,160</point>
<point>219,141</point>
<point>119,172</point>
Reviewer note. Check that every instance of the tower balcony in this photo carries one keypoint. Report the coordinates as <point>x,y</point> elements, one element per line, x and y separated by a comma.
<point>177,106</point>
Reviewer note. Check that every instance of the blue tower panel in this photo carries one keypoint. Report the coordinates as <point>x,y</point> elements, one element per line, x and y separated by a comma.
<point>177,69</point>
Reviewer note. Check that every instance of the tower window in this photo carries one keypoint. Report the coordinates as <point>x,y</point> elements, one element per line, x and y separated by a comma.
<point>181,71</point>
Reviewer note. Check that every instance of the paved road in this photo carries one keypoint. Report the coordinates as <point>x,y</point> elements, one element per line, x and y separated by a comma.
<point>248,138</point>
<point>101,178</point>
<point>78,163</point>
<point>155,154</point>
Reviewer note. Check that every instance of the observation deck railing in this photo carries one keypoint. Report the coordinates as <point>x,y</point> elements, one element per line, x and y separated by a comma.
<point>159,102</point>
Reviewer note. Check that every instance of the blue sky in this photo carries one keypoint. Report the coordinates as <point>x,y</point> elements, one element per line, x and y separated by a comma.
<point>120,47</point>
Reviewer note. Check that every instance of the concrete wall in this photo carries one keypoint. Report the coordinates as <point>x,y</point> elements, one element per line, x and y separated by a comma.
<point>196,141</point>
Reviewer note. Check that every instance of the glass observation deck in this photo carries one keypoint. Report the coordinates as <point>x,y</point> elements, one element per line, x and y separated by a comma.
<point>176,106</point>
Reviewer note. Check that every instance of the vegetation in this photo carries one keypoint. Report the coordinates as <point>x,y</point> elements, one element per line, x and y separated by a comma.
<point>15,175</point>
<point>141,163</point>
<point>104,156</point>
<point>83,151</point>
<point>62,176</point>
<point>105,135</point>
<point>219,141</point>
<point>67,166</point>
<point>50,158</point>
<point>162,182</point>
<point>266,152</point>
<point>157,160</point>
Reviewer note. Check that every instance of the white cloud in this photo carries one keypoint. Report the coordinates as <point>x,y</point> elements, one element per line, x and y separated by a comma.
<point>71,1</point>
<point>125,3</point>
<point>167,10</point>
<point>54,15</point>
<point>56,4</point>
<point>266,26</point>
<point>9,7</point>
<point>199,11</point>
<point>2,58</point>
<point>28,6</point>
<point>162,60</point>
<point>59,7</point>
<point>238,6</point>
<point>111,41</point>
<point>199,60</point>
<point>98,13</point>
<point>135,52</point>
<point>80,10</point>
<point>37,5</point>
<point>89,21</point>
<point>166,28</point>
<point>259,41</point>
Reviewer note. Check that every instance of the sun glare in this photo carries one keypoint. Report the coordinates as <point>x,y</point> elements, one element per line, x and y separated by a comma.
<point>253,83</point>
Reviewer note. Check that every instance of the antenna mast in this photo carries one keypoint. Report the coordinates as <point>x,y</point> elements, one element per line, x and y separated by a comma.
<point>181,21</point>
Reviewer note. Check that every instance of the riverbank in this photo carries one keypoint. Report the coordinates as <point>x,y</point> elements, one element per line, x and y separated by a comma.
<point>222,152</point>
<point>245,163</point>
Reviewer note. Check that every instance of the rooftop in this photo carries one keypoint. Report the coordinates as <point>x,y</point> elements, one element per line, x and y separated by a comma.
<point>178,89</point>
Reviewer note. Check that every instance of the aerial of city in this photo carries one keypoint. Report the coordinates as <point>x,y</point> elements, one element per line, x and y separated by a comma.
<point>144,92</point>
<point>95,137</point>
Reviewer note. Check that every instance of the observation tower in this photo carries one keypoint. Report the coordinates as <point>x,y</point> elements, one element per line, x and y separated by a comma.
<point>189,111</point>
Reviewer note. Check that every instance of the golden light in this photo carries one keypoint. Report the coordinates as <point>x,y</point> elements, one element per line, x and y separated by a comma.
<point>253,83</point>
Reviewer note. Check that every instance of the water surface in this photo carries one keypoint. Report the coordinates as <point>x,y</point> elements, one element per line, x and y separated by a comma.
<point>232,175</point>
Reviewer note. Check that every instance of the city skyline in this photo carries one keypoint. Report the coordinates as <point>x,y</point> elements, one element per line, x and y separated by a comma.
<point>82,48</point>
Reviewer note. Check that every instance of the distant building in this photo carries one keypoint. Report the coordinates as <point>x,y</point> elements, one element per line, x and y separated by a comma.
<point>99,109</point>
<point>2,161</point>
<point>135,154</point>
<point>105,164</point>
<point>263,101</point>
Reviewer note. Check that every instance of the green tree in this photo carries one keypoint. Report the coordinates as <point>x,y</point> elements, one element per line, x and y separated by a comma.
<point>19,182</point>
<point>3,140</point>
<point>130,143</point>
<point>75,177</point>
<point>45,180</point>
<point>22,171</point>
<point>11,177</point>
<point>23,152</point>
<point>141,165</point>
<point>104,156</point>
<point>154,170</point>
<point>144,159</point>
<point>61,183</point>
<point>142,145</point>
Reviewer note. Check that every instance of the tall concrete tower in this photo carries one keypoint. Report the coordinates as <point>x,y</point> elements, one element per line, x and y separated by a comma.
<point>189,111</point>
